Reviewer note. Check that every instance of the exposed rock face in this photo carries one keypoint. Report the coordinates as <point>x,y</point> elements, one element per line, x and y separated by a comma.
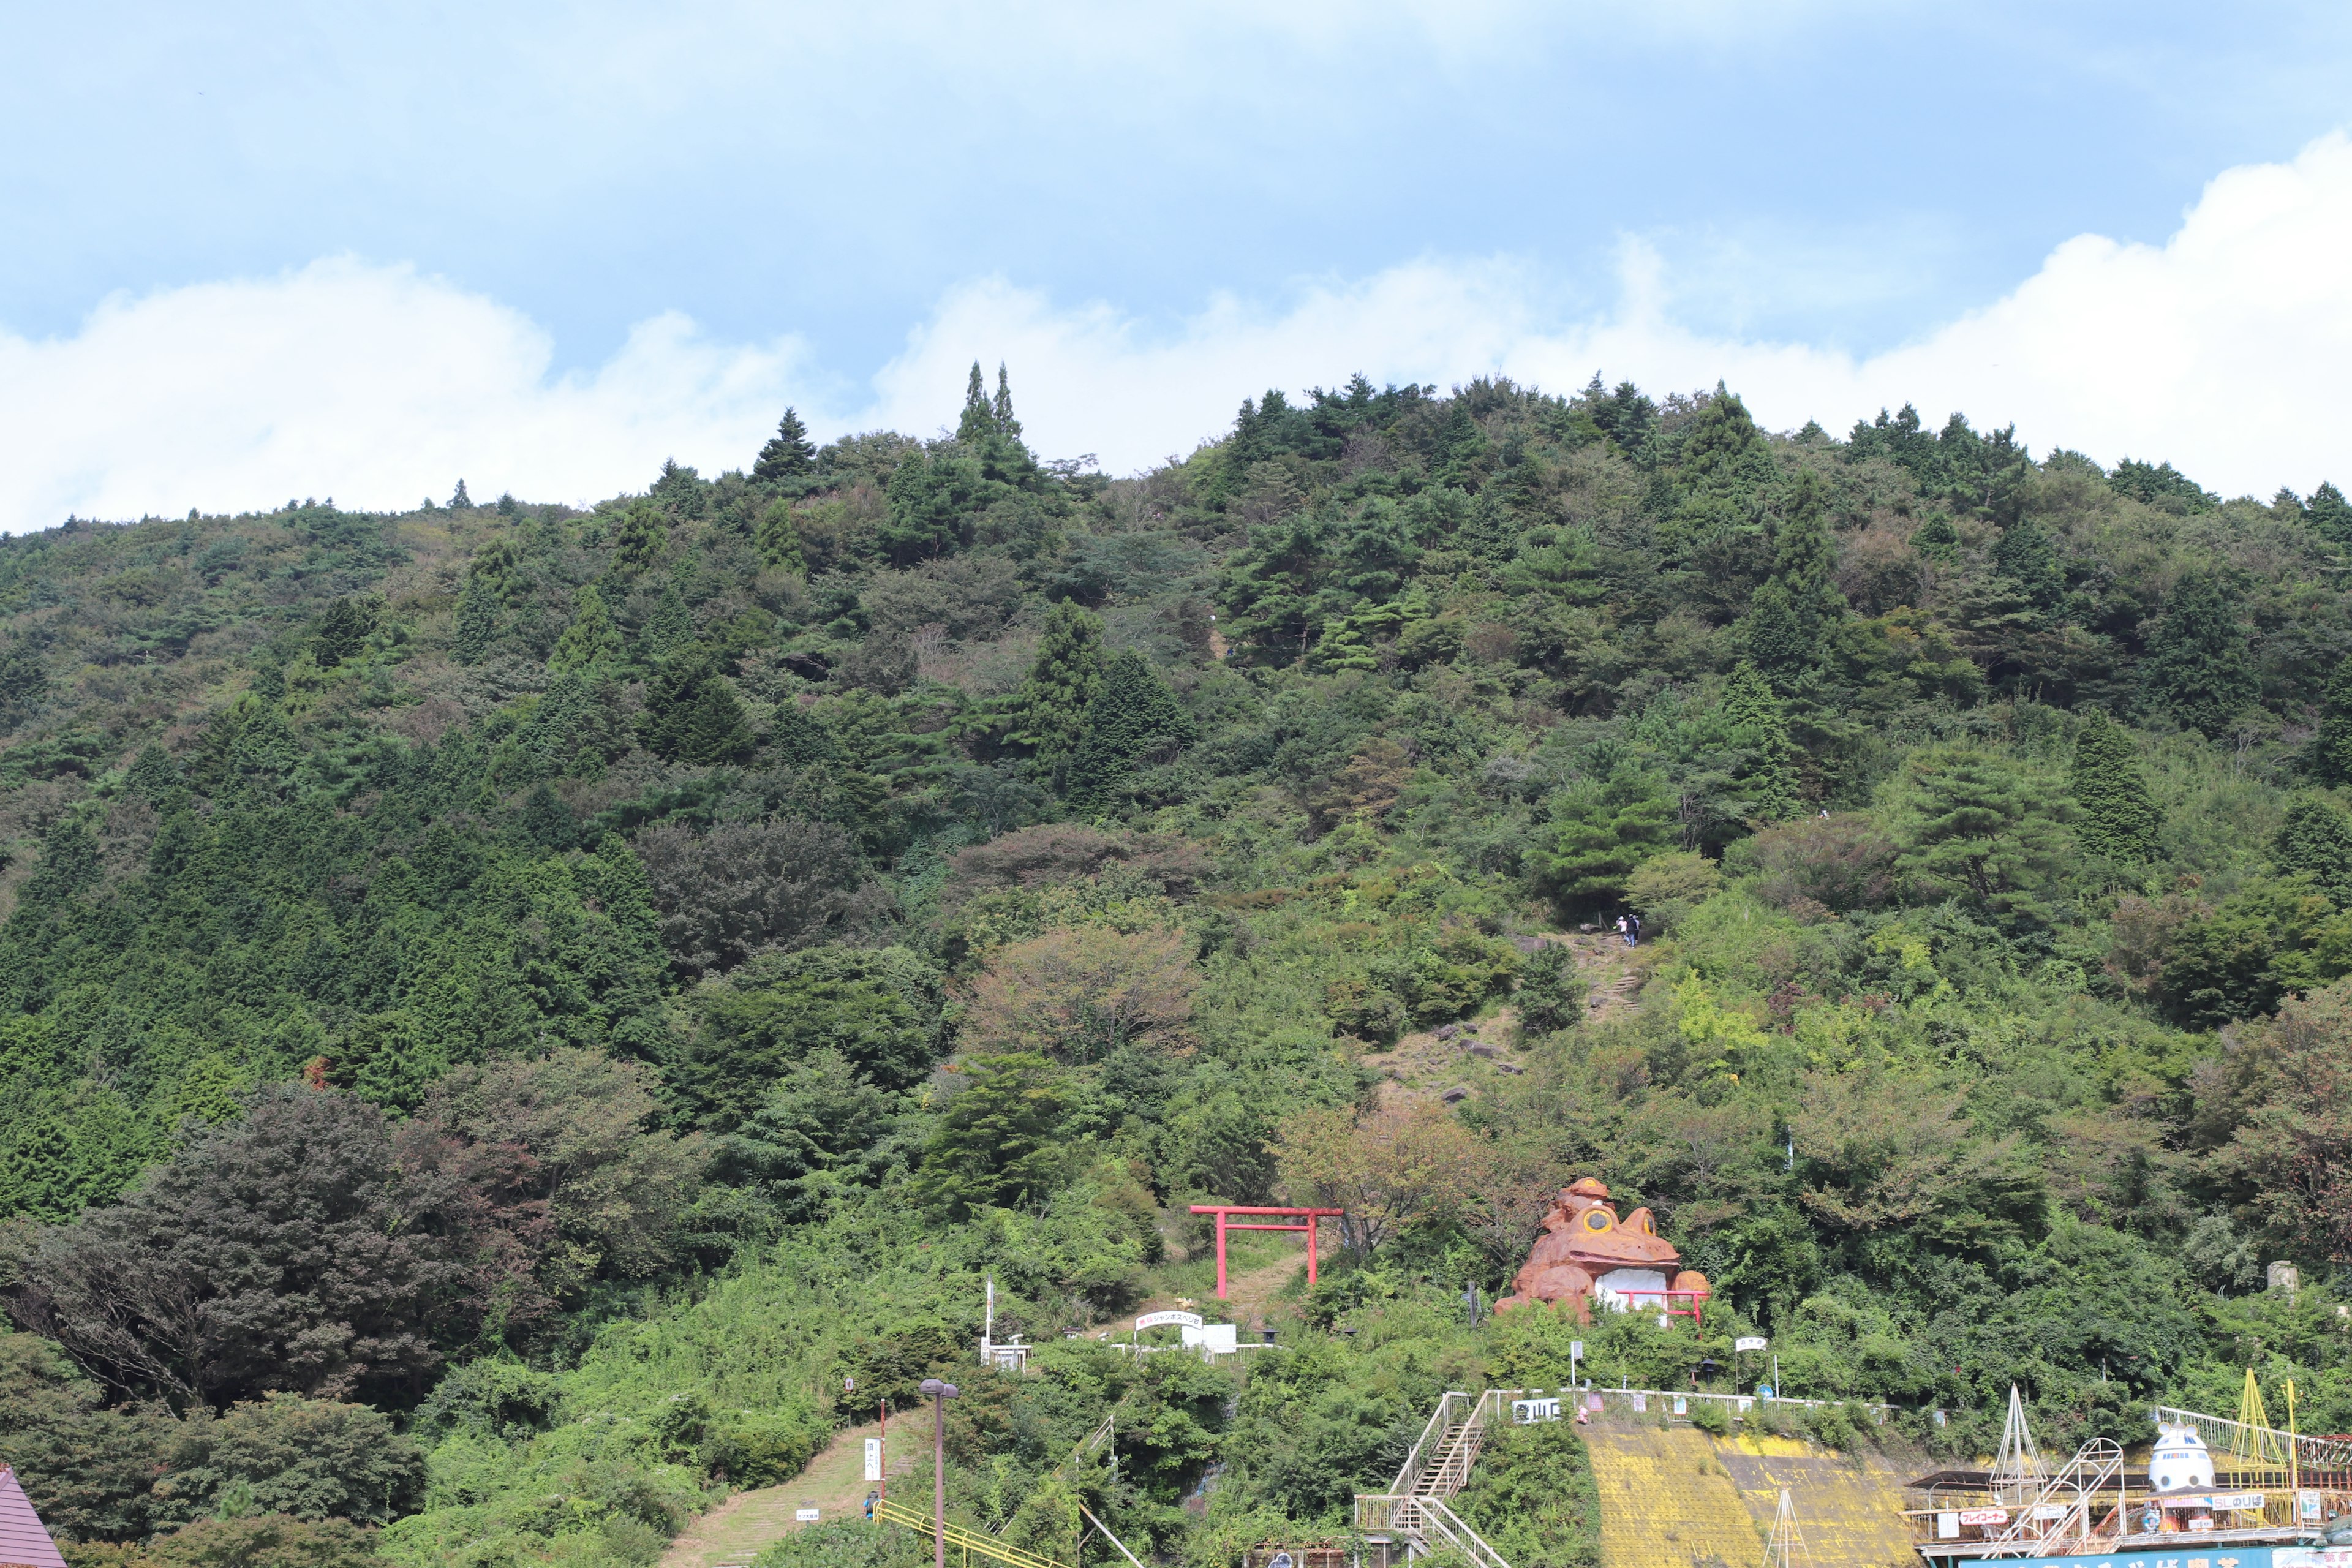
<point>1587,1252</point>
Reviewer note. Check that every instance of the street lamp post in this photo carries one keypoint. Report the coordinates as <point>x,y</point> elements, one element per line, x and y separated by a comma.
<point>940,1393</point>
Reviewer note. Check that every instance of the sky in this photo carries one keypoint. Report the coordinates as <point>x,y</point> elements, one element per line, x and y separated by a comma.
<point>256,252</point>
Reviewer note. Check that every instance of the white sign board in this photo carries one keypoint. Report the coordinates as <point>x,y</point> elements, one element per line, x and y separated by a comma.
<point>1682,1405</point>
<point>873,1459</point>
<point>1214,1339</point>
<point>1163,1319</point>
<point>1948,1527</point>
<point>804,1515</point>
<point>1576,1349</point>
<point>1748,1342</point>
<point>1524,1411</point>
<point>1984,1516</point>
<point>1641,1402</point>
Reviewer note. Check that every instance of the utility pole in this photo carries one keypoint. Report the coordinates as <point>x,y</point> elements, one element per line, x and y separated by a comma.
<point>939,1392</point>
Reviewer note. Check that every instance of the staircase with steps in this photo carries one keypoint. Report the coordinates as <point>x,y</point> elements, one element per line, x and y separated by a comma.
<point>1413,1513</point>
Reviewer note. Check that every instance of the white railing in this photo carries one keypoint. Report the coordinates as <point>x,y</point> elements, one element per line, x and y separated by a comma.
<point>2060,1514</point>
<point>2225,1437</point>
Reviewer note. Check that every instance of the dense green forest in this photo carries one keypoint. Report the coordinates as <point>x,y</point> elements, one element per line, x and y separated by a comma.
<point>503,1008</point>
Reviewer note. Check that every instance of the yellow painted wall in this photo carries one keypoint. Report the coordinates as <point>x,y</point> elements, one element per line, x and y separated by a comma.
<point>1676,1498</point>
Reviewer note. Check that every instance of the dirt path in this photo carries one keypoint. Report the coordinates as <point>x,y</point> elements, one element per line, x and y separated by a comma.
<point>834,1484</point>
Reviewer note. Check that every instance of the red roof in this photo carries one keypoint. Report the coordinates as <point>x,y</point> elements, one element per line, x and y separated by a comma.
<point>24,1542</point>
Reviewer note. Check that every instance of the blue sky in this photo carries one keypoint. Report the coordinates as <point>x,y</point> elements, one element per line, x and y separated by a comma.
<point>654,221</point>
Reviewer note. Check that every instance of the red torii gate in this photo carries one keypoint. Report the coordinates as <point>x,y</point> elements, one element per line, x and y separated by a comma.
<point>1307,1220</point>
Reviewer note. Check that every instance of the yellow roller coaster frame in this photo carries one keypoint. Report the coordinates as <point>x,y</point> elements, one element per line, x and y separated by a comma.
<point>970,1542</point>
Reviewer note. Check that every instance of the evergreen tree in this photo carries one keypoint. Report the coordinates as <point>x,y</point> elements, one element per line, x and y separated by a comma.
<point>152,773</point>
<point>478,621</point>
<point>671,625</point>
<point>1133,717</point>
<point>998,1143</point>
<point>1780,642</point>
<point>978,421</point>
<point>342,630</point>
<point>2330,514</point>
<point>1548,996</point>
<point>22,683</point>
<point>1805,559</point>
<point>2315,839</point>
<point>644,535</point>
<point>69,862</point>
<point>1007,427</point>
<point>789,453</point>
<point>1768,783</point>
<point>2117,816</point>
<point>2025,554</point>
<point>1049,710</point>
<point>1975,827</point>
<point>2330,758</point>
<point>1600,831</point>
<point>591,639</point>
<point>2199,671</point>
<point>778,539</point>
<point>547,821</point>
<point>460,498</point>
<point>692,715</point>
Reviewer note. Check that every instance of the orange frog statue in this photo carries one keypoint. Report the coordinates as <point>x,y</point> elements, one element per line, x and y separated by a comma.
<point>1586,1253</point>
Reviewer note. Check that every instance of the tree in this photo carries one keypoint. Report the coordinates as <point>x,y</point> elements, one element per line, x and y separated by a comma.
<point>789,453</point>
<point>644,534</point>
<point>1408,1161</point>
<point>90,1471</point>
<point>748,887</point>
<point>458,499</point>
<point>2316,838</point>
<point>2330,758</point>
<point>2116,816</point>
<point>290,1250</point>
<point>1974,826</point>
<point>778,539</point>
<point>1780,642</point>
<point>570,1178</point>
<point>342,629</point>
<point>591,639</point>
<point>477,623</point>
<point>997,1145</point>
<point>1082,995</point>
<point>882,1009</point>
<point>978,421</point>
<point>1049,711</point>
<point>1550,996</point>
<point>2330,514</point>
<point>692,716</point>
<point>2283,1089</point>
<point>1768,780</point>
<point>1600,831</point>
<point>1133,719</point>
<point>262,1540</point>
<point>312,1459</point>
<point>2198,670</point>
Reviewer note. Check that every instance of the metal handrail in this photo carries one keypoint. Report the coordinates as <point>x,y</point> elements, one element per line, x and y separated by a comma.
<point>1409,1474</point>
<point>1436,1519</point>
<point>2320,1453</point>
<point>965,1540</point>
<point>2102,1461</point>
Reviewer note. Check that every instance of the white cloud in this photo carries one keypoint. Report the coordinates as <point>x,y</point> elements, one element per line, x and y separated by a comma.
<point>371,383</point>
<point>2223,349</point>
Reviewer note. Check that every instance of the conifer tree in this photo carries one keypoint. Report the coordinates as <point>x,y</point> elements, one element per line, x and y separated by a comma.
<point>2331,746</point>
<point>460,498</point>
<point>478,621</point>
<point>645,533</point>
<point>1049,710</point>
<point>1132,717</point>
<point>2025,555</point>
<point>1769,781</point>
<point>789,452</point>
<point>1006,426</point>
<point>2118,816</point>
<point>1779,642</point>
<point>2330,514</point>
<point>591,639</point>
<point>978,422</point>
<point>692,715</point>
<point>778,539</point>
<point>997,1145</point>
<point>2315,839</point>
<point>2198,670</point>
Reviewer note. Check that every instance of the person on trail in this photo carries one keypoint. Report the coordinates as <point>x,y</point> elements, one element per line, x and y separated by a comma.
<point>1632,929</point>
<point>1622,931</point>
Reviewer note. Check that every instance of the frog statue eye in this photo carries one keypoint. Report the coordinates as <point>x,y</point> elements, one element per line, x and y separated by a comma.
<point>1596,1219</point>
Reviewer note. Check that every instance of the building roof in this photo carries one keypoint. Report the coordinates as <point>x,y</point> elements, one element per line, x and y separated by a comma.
<point>25,1542</point>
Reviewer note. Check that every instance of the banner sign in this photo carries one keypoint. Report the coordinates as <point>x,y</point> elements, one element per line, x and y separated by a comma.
<point>1748,1342</point>
<point>1163,1319</point>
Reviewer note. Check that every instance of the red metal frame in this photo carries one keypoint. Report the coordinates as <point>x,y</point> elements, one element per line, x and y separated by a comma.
<point>1694,1303</point>
<point>1309,1218</point>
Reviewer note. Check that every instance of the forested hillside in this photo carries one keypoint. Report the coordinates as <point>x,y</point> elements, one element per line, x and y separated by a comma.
<point>504,1009</point>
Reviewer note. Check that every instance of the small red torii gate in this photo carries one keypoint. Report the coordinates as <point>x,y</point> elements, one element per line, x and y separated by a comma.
<point>1305,1220</point>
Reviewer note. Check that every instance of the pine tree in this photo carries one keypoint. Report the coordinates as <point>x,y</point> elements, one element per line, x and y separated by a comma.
<point>692,715</point>
<point>547,821</point>
<point>1132,717</point>
<point>1805,558</point>
<point>778,539</point>
<point>671,625</point>
<point>978,422</point>
<point>1049,710</point>
<point>2330,758</point>
<point>2330,514</point>
<point>789,452</point>
<point>591,639</point>
<point>478,621</point>
<point>2119,817</point>
<point>2198,670</point>
<point>460,498</point>
<point>1001,411</point>
<point>998,1143</point>
<point>2027,557</point>
<point>1769,781</point>
<point>645,534</point>
<point>1779,642</point>
<point>2315,839</point>
<point>342,630</point>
